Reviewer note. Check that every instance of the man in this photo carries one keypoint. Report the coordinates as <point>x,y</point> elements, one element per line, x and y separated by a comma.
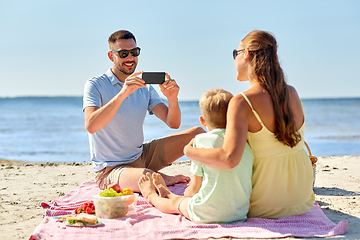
<point>115,105</point>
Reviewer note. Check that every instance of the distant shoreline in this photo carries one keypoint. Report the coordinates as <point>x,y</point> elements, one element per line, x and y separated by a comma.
<point>188,100</point>
<point>20,162</point>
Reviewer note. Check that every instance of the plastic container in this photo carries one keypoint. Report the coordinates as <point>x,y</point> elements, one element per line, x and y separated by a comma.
<point>115,207</point>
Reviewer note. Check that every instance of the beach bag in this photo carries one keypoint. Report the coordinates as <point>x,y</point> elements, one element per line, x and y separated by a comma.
<point>313,160</point>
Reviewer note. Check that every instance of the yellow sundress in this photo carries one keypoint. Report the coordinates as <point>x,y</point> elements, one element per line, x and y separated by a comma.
<point>282,176</point>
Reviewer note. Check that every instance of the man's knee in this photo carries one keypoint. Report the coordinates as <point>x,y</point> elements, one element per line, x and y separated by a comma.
<point>196,130</point>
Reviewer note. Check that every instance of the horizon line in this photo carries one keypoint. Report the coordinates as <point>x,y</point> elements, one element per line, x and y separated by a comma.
<point>181,100</point>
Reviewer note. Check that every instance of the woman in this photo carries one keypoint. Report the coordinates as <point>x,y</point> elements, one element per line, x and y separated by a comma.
<point>270,117</point>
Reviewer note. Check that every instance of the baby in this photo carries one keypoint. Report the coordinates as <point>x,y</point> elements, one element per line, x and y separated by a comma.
<point>214,195</point>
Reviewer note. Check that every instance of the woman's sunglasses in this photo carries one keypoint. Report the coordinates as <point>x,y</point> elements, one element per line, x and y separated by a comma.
<point>124,53</point>
<point>236,52</point>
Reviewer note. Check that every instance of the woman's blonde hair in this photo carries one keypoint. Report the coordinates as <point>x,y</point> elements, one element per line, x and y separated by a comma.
<point>266,69</point>
<point>213,107</point>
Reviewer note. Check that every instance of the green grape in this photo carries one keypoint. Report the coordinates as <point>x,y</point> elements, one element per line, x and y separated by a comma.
<point>110,193</point>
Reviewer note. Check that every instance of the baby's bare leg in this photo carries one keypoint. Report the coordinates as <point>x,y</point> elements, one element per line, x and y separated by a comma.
<point>165,205</point>
<point>160,185</point>
<point>146,187</point>
<point>164,191</point>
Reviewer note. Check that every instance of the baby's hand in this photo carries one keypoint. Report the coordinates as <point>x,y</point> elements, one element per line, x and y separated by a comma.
<point>189,192</point>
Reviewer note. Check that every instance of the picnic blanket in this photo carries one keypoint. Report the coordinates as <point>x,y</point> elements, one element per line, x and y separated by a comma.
<point>149,223</point>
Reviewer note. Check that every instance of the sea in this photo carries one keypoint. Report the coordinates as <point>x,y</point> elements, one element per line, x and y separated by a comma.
<point>51,129</point>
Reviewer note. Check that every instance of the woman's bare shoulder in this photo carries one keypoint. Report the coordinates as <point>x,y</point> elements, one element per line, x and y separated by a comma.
<point>293,96</point>
<point>292,91</point>
<point>238,102</point>
<point>295,104</point>
<point>259,98</point>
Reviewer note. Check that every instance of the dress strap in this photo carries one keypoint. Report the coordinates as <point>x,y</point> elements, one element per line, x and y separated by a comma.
<point>255,113</point>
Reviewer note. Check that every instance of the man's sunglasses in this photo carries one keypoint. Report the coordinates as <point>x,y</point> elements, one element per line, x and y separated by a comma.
<point>124,53</point>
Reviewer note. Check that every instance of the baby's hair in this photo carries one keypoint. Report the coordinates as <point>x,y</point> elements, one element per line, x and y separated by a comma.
<point>213,107</point>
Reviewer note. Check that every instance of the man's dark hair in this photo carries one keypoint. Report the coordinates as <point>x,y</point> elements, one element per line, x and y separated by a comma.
<point>121,34</point>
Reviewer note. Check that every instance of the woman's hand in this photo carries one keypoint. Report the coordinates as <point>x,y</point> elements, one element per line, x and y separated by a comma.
<point>189,145</point>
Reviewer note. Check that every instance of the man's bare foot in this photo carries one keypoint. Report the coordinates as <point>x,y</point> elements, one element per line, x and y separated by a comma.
<point>172,180</point>
<point>160,185</point>
<point>146,186</point>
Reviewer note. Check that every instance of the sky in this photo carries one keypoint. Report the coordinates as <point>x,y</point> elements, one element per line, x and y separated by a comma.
<point>50,48</point>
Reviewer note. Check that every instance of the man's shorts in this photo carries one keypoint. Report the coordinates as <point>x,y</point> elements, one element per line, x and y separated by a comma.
<point>151,158</point>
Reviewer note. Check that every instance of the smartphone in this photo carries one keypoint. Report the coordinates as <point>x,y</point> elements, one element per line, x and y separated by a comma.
<point>153,77</point>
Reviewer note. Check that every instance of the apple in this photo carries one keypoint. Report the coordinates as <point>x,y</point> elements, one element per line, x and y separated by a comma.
<point>114,186</point>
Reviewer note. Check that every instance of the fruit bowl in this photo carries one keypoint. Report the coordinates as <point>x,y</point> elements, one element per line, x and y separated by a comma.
<point>114,207</point>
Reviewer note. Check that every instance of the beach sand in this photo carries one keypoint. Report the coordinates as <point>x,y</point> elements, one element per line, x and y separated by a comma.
<point>23,186</point>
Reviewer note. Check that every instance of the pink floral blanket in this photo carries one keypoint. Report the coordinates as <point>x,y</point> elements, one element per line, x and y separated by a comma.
<point>150,223</point>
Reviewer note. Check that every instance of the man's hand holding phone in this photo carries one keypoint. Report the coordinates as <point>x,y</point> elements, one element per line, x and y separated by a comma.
<point>170,114</point>
<point>132,83</point>
<point>170,88</point>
